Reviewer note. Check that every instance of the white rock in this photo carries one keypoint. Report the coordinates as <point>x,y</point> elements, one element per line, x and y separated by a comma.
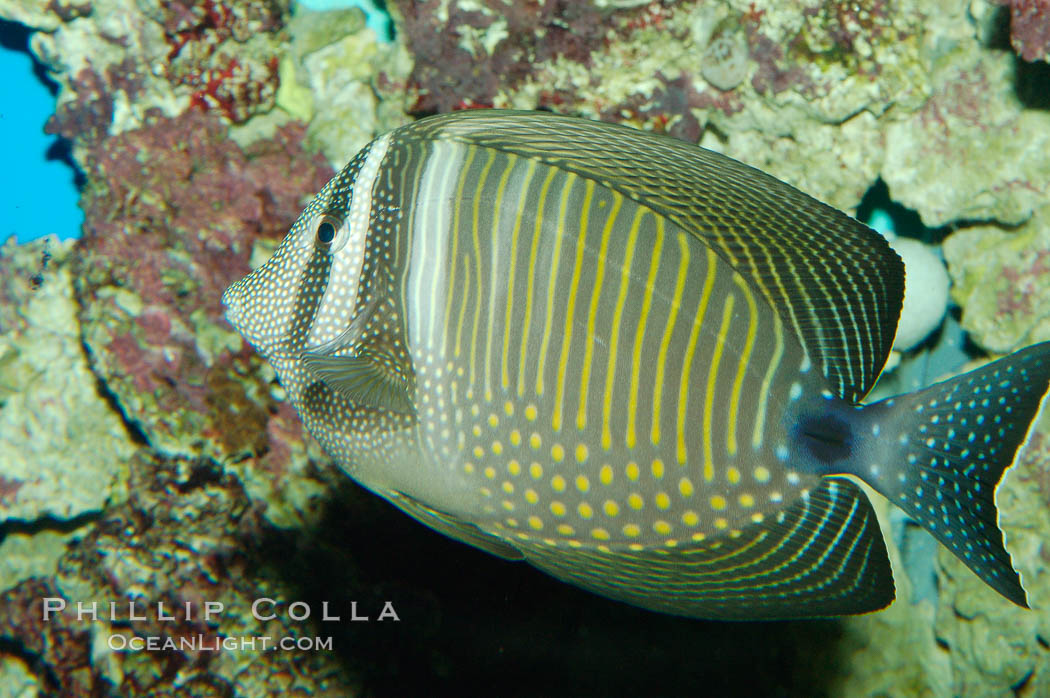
<point>925,292</point>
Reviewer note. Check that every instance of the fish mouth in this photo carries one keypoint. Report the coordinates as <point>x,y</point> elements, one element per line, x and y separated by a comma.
<point>233,299</point>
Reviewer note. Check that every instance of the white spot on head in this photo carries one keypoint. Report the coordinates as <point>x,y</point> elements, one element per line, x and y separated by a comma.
<point>782,452</point>
<point>875,429</point>
<point>806,364</point>
<point>792,478</point>
<point>796,391</point>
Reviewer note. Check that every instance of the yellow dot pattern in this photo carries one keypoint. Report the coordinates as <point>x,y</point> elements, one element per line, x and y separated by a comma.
<point>537,481</point>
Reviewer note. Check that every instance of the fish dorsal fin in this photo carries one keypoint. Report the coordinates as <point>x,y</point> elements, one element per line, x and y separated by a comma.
<point>833,280</point>
<point>823,556</point>
<point>367,364</point>
<point>452,526</point>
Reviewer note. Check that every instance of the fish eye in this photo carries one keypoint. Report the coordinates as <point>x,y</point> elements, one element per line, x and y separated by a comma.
<point>326,231</point>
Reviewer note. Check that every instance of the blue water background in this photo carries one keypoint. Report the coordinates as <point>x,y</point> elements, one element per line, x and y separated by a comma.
<point>39,188</point>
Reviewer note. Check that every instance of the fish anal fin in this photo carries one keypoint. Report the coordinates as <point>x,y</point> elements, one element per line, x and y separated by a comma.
<point>824,556</point>
<point>453,527</point>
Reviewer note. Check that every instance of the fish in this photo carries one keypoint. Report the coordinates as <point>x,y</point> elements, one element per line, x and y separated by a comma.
<point>637,364</point>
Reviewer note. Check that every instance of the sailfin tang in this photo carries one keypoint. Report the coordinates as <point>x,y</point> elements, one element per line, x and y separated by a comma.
<point>823,556</point>
<point>957,438</point>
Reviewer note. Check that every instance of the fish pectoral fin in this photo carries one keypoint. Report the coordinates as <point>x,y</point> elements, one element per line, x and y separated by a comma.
<point>366,378</point>
<point>453,527</point>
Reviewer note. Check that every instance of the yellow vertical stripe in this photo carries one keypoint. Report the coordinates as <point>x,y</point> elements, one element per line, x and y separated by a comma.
<point>592,312</point>
<point>501,192</point>
<point>530,284</point>
<point>763,393</point>
<point>570,311</point>
<point>712,378</point>
<point>464,297</point>
<point>515,234</point>
<point>477,262</point>
<point>690,349</point>
<point>450,288</point>
<point>559,238</point>
<point>665,340</point>
<point>639,331</point>
<point>745,357</point>
<point>614,340</point>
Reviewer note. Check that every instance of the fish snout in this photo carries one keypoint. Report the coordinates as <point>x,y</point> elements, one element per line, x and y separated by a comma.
<point>233,300</point>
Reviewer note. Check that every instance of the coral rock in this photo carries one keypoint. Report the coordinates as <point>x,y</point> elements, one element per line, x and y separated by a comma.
<point>1030,28</point>
<point>1002,281</point>
<point>64,451</point>
<point>173,214</point>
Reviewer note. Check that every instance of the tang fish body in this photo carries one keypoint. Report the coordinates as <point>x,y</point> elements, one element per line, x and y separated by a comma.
<point>636,363</point>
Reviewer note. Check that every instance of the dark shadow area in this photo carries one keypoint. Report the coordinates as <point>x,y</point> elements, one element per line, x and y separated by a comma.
<point>997,33</point>
<point>1032,82</point>
<point>906,222</point>
<point>472,624</point>
<point>15,37</point>
<point>382,6</point>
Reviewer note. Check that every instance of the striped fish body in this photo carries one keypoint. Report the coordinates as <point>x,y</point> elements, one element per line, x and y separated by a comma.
<point>633,362</point>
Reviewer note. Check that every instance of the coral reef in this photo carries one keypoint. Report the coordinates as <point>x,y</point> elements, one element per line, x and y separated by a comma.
<point>172,212</point>
<point>187,535</point>
<point>154,456</point>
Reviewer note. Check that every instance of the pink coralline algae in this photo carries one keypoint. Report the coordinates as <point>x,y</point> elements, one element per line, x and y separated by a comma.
<point>1030,28</point>
<point>173,211</point>
<point>453,72</point>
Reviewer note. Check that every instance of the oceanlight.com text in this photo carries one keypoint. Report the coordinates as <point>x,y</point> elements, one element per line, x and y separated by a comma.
<point>119,642</point>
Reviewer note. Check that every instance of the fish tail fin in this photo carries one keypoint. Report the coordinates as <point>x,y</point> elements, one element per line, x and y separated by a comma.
<point>952,443</point>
